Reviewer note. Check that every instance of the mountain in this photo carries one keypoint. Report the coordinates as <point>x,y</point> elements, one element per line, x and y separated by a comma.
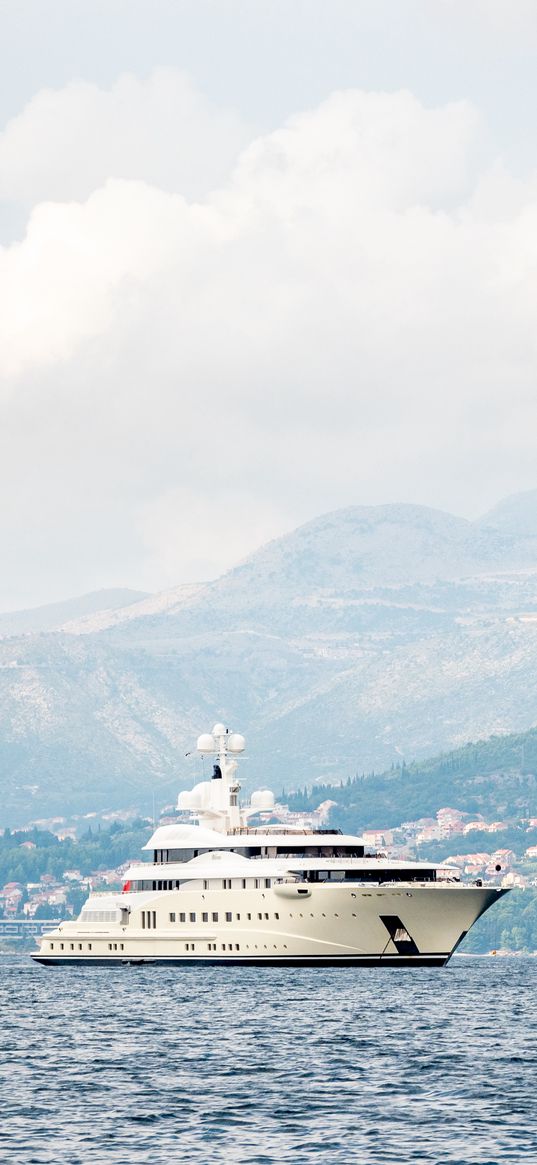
<point>365,636</point>
<point>515,515</point>
<point>54,615</point>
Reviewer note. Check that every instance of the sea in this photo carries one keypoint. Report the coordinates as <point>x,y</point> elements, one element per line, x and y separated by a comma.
<point>142,1065</point>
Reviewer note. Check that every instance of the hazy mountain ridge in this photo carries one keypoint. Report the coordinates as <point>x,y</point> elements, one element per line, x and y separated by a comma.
<point>368,634</point>
<point>52,616</point>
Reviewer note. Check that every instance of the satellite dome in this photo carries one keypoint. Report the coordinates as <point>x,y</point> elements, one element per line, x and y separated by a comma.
<point>262,800</point>
<point>219,730</point>
<point>184,800</point>
<point>236,742</point>
<point>206,743</point>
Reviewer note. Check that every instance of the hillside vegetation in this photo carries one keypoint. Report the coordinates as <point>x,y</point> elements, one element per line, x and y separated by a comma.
<point>495,777</point>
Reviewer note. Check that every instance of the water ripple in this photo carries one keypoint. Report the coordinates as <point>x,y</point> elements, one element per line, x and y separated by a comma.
<point>256,1066</point>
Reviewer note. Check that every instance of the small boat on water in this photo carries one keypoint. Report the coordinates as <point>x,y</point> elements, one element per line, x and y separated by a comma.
<point>220,889</point>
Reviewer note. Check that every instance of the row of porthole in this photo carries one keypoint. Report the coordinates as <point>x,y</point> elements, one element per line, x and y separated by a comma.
<point>88,946</point>
<point>214,947</point>
<point>192,917</point>
<point>230,946</point>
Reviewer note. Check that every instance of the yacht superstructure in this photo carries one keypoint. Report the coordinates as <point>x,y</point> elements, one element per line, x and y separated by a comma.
<point>220,889</point>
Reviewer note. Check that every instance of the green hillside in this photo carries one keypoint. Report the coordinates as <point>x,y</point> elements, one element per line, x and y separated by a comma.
<point>495,777</point>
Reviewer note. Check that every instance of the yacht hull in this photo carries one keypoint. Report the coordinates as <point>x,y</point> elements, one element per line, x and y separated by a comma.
<point>345,924</point>
<point>270,961</point>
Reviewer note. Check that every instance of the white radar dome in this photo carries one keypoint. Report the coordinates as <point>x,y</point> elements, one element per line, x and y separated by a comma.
<point>185,800</point>
<point>206,743</point>
<point>219,730</point>
<point>236,742</point>
<point>262,800</point>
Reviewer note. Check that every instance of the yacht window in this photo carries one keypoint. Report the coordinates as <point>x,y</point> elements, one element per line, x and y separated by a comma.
<point>267,883</point>
<point>89,946</point>
<point>122,946</point>
<point>80,946</point>
<point>172,917</point>
<point>249,917</point>
<point>61,946</point>
<point>276,916</point>
<point>229,916</point>
<point>154,918</point>
<point>257,883</point>
<point>215,916</point>
<point>205,884</point>
<point>192,917</point>
<point>52,946</point>
<point>244,883</point>
<point>238,917</point>
<point>266,915</point>
<point>72,946</point>
<point>237,947</point>
<point>182,917</point>
<point>205,916</point>
<point>260,916</point>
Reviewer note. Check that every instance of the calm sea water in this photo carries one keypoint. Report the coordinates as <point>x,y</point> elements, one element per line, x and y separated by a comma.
<point>138,1065</point>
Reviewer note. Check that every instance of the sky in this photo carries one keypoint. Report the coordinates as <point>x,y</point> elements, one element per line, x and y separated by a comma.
<point>259,259</point>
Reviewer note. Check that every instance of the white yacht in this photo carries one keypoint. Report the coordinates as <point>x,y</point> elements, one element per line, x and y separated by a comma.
<point>219,889</point>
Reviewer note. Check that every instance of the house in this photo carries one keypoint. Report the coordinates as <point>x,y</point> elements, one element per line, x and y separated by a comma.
<point>513,879</point>
<point>531,852</point>
<point>377,837</point>
<point>504,857</point>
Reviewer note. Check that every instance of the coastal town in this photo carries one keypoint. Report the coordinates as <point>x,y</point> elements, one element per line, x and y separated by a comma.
<point>445,837</point>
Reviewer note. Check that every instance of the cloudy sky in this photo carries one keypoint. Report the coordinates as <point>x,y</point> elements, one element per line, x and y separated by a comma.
<point>259,259</point>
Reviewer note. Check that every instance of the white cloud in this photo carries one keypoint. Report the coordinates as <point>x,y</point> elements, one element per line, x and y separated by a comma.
<point>350,317</point>
<point>67,142</point>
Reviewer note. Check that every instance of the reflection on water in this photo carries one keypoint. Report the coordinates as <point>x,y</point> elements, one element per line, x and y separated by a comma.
<point>138,1064</point>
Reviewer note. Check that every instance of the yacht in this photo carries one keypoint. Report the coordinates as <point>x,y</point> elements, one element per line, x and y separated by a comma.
<point>218,888</point>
